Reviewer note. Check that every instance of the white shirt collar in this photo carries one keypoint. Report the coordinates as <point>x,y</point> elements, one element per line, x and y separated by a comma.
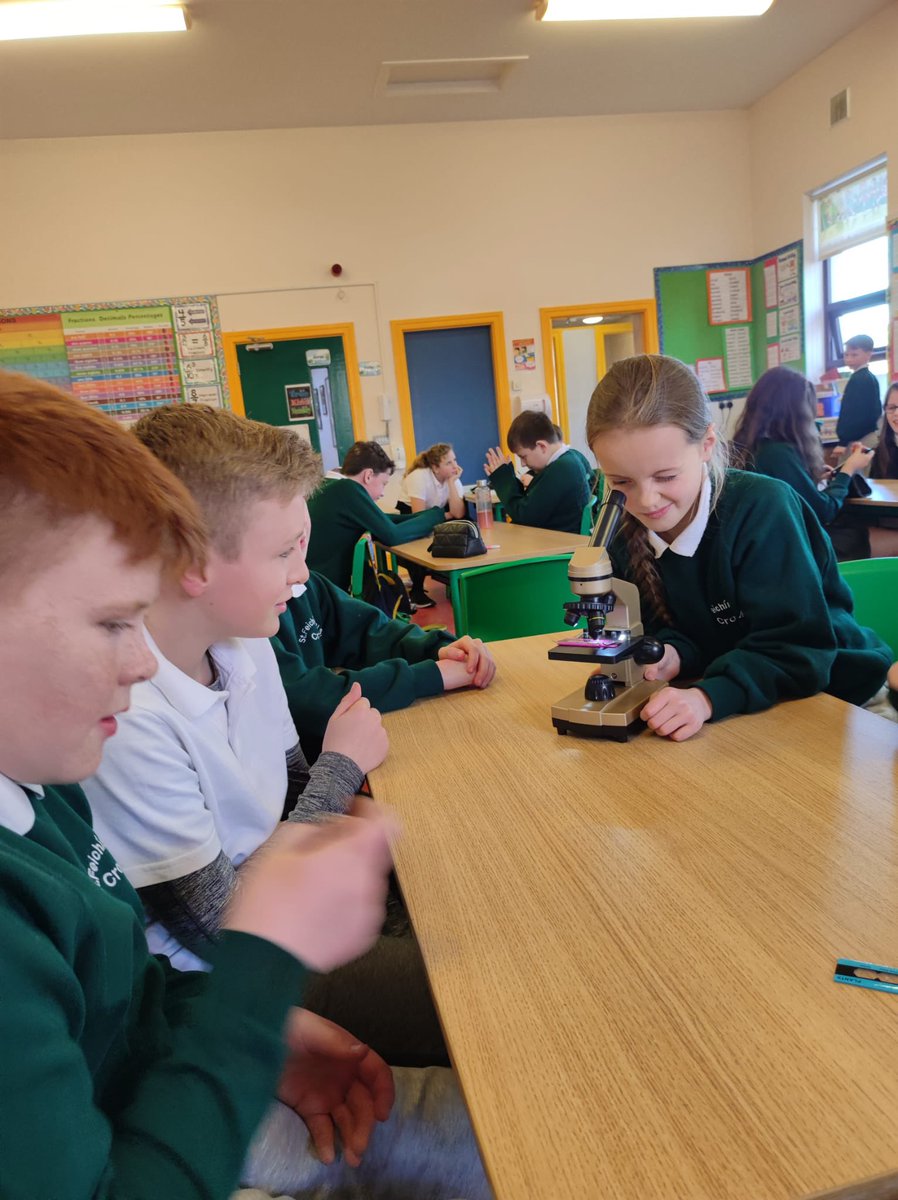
<point>235,669</point>
<point>686,543</point>
<point>16,810</point>
<point>558,453</point>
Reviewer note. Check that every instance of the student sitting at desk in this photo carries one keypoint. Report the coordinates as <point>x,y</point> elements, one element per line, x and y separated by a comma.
<point>343,509</point>
<point>123,1077</point>
<point>777,436</point>
<point>736,575</point>
<point>884,465</point>
<point>433,478</point>
<point>561,484</point>
<point>328,641</point>
<point>192,789</point>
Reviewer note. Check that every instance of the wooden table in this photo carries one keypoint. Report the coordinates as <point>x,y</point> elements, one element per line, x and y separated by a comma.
<point>510,543</point>
<point>884,494</point>
<point>631,947</point>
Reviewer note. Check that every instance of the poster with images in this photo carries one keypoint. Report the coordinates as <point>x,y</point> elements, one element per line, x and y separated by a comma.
<point>524,351</point>
<point>790,348</point>
<point>300,405</point>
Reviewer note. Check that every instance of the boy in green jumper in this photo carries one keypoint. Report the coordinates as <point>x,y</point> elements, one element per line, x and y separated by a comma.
<point>560,488</point>
<point>343,509</point>
<point>123,1078</point>
<point>327,641</point>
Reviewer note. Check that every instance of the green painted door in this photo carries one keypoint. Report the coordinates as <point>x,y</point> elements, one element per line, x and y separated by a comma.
<point>265,376</point>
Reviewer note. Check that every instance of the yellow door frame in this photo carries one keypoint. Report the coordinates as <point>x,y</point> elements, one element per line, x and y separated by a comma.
<point>496,324</point>
<point>230,342</point>
<point>647,309</point>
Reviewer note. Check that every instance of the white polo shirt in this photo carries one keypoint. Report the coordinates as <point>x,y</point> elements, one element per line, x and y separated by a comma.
<point>422,484</point>
<point>16,812</point>
<point>194,770</point>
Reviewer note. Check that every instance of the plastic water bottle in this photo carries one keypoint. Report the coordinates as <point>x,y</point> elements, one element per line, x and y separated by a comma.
<point>484,504</point>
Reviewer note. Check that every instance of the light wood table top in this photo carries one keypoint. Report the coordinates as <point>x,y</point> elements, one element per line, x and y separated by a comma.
<point>514,541</point>
<point>631,947</point>
<point>884,492</point>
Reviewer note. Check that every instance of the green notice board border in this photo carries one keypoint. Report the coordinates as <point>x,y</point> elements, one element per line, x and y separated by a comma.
<point>773,334</point>
<point>125,357</point>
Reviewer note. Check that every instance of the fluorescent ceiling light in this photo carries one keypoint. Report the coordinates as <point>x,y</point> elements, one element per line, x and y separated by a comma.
<point>593,320</point>
<point>646,10</point>
<point>74,18</point>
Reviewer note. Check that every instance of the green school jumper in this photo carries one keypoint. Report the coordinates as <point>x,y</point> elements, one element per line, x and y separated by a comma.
<point>781,460</point>
<point>760,612</point>
<point>122,1079</point>
<point>325,630</point>
<point>341,511</point>
<point>554,500</point>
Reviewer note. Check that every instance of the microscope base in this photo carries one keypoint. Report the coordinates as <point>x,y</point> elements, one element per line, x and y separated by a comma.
<point>616,720</point>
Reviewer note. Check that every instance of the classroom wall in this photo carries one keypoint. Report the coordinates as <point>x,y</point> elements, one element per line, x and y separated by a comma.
<point>429,220</point>
<point>793,150</point>
<point>792,147</point>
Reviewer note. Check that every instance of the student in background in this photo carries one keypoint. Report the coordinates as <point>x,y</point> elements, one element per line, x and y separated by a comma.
<point>561,484</point>
<point>121,1076</point>
<point>861,406</point>
<point>432,479</point>
<point>777,436</point>
<point>884,465</point>
<point>345,508</point>
<point>736,575</point>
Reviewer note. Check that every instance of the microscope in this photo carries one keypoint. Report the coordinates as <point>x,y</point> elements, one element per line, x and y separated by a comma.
<point>613,639</point>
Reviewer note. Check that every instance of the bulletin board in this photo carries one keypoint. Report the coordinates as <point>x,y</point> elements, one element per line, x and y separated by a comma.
<point>126,357</point>
<point>893,300</point>
<point>733,320</point>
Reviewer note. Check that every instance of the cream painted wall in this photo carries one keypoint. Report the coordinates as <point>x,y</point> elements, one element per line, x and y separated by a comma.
<point>793,150</point>
<point>439,219</point>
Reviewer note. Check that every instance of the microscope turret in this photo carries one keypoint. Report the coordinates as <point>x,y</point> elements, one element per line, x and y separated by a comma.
<point>609,706</point>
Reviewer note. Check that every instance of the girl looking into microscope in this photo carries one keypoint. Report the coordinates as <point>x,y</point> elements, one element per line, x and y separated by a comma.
<point>737,577</point>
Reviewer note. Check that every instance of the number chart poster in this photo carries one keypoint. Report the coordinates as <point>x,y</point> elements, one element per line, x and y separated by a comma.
<point>124,358</point>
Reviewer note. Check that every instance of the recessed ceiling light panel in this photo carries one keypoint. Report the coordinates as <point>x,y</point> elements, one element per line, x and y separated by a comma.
<point>646,10</point>
<point>78,18</point>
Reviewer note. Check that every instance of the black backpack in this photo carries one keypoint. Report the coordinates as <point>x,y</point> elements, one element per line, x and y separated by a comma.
<point>384,589</point>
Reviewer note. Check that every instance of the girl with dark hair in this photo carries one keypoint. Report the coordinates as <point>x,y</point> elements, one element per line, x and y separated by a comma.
<point>737,577</point>
<point>777,436</point>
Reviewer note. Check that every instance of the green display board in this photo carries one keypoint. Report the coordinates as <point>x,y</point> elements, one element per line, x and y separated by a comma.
<point>731,321</point>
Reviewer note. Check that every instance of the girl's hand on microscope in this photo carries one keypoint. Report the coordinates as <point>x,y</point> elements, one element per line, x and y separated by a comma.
<point>677,713</point>
<point>668,668</point>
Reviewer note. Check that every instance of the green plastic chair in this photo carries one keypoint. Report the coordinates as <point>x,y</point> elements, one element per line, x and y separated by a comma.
<point>874,585</point>
<point>589,516</point>
<point>361,551</point>
<point>509,600</point>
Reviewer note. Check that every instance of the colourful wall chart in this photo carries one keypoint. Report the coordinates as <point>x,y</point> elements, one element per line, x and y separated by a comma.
<point>124,358</point>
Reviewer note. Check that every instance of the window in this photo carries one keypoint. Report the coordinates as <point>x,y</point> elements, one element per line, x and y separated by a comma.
<point>856,298</point>
<point>850,222</point>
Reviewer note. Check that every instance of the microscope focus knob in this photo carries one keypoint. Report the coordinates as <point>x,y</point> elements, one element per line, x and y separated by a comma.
<point>648,651</point>
<point>599,687</point>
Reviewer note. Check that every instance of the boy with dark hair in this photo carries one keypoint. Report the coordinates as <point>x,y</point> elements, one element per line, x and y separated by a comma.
<point>121,1076</point>
<point>343,509</point>
<point>861,409</point>
<point>561,484</point>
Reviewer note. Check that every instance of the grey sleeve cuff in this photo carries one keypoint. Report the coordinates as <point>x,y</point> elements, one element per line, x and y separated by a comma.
<point>333,782</point>
<point>192,907</point>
